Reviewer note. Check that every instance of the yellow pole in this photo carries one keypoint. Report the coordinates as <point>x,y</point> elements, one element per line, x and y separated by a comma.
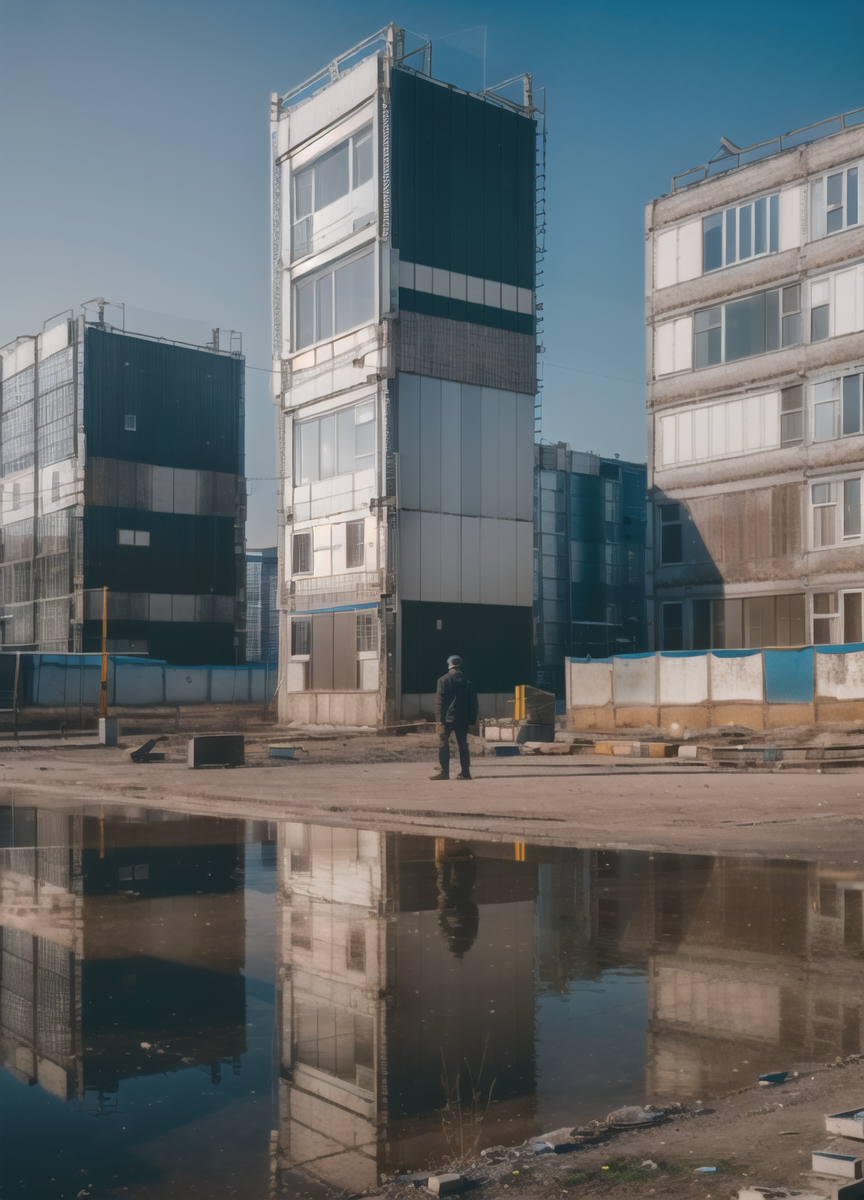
<point>103,698</point>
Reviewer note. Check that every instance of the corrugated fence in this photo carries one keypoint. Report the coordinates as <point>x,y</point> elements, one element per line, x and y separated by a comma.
<point>72,681</point>
<point>699,688</point>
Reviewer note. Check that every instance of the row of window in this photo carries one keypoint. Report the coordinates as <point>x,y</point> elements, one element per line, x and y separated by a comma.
<point>355,548</point>
<point>753,229</point>
<point>835,518</point>
<point>755,622</point>
<point>763,422</point>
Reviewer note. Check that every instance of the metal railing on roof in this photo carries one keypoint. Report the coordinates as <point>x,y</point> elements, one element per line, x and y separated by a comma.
<point>729,151</point>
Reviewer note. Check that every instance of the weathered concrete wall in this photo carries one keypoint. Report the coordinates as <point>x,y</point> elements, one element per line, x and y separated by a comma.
<point>699,690</point>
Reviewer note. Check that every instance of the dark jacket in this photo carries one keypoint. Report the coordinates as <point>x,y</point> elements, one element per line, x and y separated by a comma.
<point>456,699</point>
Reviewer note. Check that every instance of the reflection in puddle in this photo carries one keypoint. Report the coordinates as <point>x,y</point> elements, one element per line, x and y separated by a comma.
<point>249,1007</point>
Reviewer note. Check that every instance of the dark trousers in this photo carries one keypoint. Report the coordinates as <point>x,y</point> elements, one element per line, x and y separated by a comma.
<point>460,729</point>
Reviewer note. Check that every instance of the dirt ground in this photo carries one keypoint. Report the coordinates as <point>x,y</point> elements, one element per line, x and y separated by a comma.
<point>755,1137</point>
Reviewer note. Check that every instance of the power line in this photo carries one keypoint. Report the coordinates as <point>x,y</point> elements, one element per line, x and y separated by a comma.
<point>558,366</point>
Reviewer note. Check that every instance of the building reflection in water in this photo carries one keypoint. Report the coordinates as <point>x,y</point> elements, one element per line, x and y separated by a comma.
<point>406,961</point>
<point>118,927</point>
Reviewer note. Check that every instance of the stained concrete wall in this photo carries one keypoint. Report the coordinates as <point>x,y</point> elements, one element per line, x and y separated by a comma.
<point>762,689</point>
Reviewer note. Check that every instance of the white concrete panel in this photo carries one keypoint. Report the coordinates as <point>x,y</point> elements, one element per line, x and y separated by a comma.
<point>790,218</point>
<point>752,422</point>
<point>525,301</point>
<point>683,344</point>
<point>409,441</point>
<point>590,684</point>
<point>489,452</point>
<point>507,563</point>
<point>524,562</point>
<point>690,251</point>
<point>471,560</point>
<point>489,561</point>
<point>684,680</point>
<point>451,559</point>
<point>634,681</point>
<point>666,258</point>
<point>771,419</point>
<point>492,293</point>
<point>664,348</point>
<point>334,101</point>
<point>509,297</point>
<point>734,427</point>
<point>475,290</point>
<point>525,458</point>
<point>718,428</point>
<point>17,358</point>
<point>162,493</point>
<point>507,454</point>
<point>55,339</point>
<point>700,433</point>
<point>182,608</point>
<point>422,278</point>
<point>737,678</point>
<point>458,285</point>
<point>160,606</point>
<point>369,674</point>
<point>184,491</point>
<point>840,676</point>
<point>685,436</point>
<point>406,275</point>
<point>430,556</point>
<point>451,447</point>
<point>440,282</point>
<point>430,444</point>
<point>845,315</point>
<point>668,450</point>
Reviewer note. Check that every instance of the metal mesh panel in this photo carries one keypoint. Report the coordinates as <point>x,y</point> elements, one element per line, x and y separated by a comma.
<point>16,434</point>
<point>53,1017</point>
<point>52,576</point>
<point>53,531</point>
<point>17,975</point>
<point>19,943</point>
<point>53,858</point>
<point>57,440</point>
<point>53,957</point>
<point>52,621</point>
<point>17,1012</point>
<point>18,389</point>
<point>18,540</point>
<point>19,630</point>
<point>59,402</point>
<point>55,370</point>
<point>15,579</point>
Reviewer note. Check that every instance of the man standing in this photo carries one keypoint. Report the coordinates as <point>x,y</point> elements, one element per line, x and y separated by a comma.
<point>455,710</point>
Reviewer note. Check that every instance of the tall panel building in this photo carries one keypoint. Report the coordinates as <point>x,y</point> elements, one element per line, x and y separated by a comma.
<point>755,313</point>
<point>122,463</point>
<point>405,368</point>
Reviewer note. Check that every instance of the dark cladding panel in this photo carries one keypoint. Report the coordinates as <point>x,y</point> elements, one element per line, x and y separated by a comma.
<point>185,403</point>
<point>463,193</point>
<point>494,641</point>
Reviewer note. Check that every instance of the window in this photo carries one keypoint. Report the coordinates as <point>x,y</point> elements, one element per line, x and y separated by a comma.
<point>55,486</point>
<point>670,534</point>
<point>791,415</point>
<point>355,533</point>
<point>741,233</point>
<point>301,637</point>
<point>750,326</point>
<point>673,627</point>
<point>338,299</point>
<point>338,443</point>
<point>301,558</point>
<point>133,537</point>
<point>834,202</point>
<point>16,495</point>
<point>820,310</point>
<point>853,602</point>
<point>131,423</point>
<point>331,178</point>
<point>825,624</point>
<point>837,408</point>
<point>836,511</point>
<point>367,631</point>
<point>853,417</point>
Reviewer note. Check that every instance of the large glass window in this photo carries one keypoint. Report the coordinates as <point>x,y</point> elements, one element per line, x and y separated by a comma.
<point>338,443</point>
<point>670,534</point>
<point>834,203</point>
<point>837,408</point>
<point>836,509</point>
<point>791,415</point>
<point>750,326</point>
<point>747,231</point>
<point>330,178</point>
<point>337,299</point>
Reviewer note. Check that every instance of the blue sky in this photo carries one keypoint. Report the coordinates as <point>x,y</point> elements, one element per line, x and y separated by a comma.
<point>133,143</point>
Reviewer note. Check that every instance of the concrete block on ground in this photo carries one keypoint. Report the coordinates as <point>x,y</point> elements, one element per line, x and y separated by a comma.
<point>446,1185</point>
<point>826,1162</point>
<point>216,750</point>
<point>108,730</point>
<point>846,1124</point>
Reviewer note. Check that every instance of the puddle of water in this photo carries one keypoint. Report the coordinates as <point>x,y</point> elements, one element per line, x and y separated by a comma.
<point>201,1007</point>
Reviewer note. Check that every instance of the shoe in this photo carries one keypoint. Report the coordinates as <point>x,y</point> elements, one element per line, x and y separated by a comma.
<point>440,775</point>
<point>464,775</point>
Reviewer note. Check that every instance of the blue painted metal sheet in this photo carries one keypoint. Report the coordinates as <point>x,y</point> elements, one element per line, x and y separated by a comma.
<point>789,676</point>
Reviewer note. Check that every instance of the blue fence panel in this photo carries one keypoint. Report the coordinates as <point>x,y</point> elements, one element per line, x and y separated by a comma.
<point>138,682</point>
<point>789,676</point>
<point>187,685</point>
